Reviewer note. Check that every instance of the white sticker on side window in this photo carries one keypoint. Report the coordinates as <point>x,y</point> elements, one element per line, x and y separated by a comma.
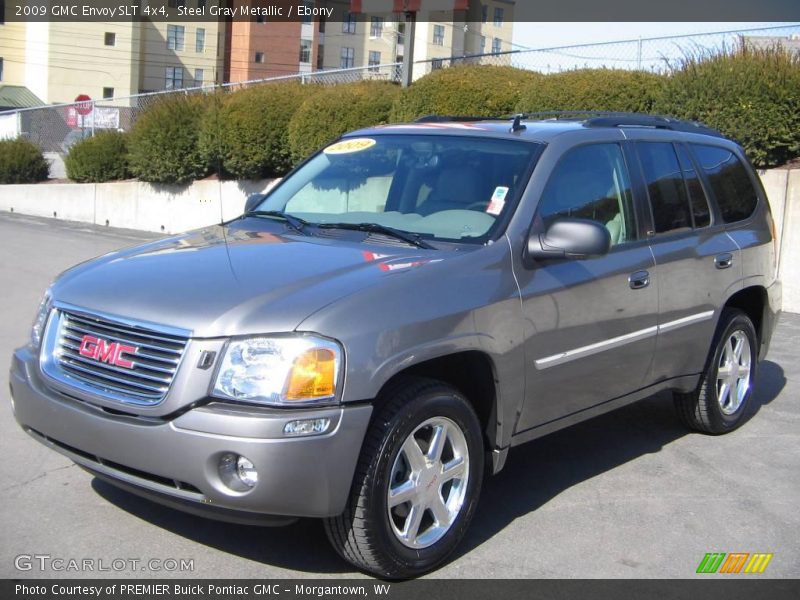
<point>498,201</point>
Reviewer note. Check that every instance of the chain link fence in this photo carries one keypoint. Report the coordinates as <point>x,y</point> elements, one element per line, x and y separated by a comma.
<point>657,55</point>
<point>56,128</point>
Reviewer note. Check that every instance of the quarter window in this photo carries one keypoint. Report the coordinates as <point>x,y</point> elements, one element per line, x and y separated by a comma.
<point>668,198</point>
<point>730,183</point>
<point>591,182</point>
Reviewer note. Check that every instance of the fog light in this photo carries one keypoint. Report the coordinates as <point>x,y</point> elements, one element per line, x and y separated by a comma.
<point>237,472</point>
<point>307,427</point>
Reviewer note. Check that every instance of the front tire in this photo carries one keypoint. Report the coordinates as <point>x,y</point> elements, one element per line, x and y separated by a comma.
<point>416,485</point>
<point>719,403</point>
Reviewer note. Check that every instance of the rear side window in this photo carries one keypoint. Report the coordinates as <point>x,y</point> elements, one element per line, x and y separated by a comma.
<point>665,186</point>
<point>729,180</point>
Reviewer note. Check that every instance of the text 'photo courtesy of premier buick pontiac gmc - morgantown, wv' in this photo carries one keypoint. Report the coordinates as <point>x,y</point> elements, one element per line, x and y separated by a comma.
<point>377,332</point>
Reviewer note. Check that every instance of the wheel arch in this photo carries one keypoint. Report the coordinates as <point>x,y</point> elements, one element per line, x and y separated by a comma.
<point>754,302</point>
<point>471,372</point>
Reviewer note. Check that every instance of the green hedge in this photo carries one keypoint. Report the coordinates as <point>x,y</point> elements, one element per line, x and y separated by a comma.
<point>246,132</point>
<point>338,109</point>
<point>22,162</point>
<point>468,90</point>
<point>163,144</point>
<point>103,157</point>
<point>593,89</point>
<point>750,95</point>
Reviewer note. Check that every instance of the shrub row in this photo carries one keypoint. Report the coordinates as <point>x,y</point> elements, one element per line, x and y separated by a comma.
<point>751,95</point>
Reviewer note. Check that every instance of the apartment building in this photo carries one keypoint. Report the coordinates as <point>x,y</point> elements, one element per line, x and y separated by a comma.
<point>364,39</point>
<point>261,47</point>
<point>59,60</point>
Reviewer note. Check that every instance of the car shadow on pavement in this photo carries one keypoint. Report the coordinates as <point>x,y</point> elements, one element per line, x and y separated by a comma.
<point>535,473</point>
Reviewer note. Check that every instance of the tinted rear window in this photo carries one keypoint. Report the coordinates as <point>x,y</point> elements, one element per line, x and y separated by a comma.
<point>730,182</point>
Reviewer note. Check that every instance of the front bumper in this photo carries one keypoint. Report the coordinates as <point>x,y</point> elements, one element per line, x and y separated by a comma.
<point>175,460</point>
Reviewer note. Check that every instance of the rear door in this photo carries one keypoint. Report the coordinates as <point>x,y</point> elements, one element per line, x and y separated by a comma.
<point>697,262</point>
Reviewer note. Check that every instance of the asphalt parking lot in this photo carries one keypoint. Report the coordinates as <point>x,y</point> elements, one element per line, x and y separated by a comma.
<point>630,494</point>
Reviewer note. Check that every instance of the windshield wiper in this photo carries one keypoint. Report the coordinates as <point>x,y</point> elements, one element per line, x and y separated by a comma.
<point>413,239</point>
<point>295,223</point>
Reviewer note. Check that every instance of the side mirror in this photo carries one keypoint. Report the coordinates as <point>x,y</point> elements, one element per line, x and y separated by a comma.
<point>570,238</point>
<point>252,201</point>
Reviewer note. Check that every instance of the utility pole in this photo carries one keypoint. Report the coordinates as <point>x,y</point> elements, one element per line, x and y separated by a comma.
<point>408,56</point>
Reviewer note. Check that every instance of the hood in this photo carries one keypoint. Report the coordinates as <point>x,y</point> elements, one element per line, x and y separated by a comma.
<point>249,276</point>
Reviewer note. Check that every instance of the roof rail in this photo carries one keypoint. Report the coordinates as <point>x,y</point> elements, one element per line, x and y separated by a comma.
<point>654,121</point>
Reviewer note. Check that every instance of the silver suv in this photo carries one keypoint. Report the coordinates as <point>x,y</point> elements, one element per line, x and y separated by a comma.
<point>373,335</point>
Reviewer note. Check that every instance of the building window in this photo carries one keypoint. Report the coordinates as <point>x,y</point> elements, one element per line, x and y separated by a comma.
<point>374,60</point>
<point>497,46</point>
<point>438,35</point>
<point>498,17</point>
<point>174,78</point>
<point>110,38</point>
<point>484,13</point>
<point>437,63</point>
<point>199,77</point>
<point>200,40</point>
<point>401,34</point>
<point>307,16</point>
<point>320,57</point>
<point>108,93</point>
<point>259,58</point>
<point>349,23</point>
<point>348,60</point>
<point>175,35</point>
<point>483,44</point>
<point>376,27</point>
<point>305,51</point>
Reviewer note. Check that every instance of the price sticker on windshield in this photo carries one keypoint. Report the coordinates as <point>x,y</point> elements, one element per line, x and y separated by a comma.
<point>350,146</point>
<point>498,201</point>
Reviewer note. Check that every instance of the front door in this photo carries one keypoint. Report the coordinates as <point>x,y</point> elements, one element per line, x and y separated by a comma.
<point>594,321</point>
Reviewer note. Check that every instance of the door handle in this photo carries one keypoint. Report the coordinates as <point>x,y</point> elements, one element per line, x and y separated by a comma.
<point>639,280</point>
<point>724,260</point>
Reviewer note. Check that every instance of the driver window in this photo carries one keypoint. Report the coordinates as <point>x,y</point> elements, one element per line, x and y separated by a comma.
<point>591,182</point>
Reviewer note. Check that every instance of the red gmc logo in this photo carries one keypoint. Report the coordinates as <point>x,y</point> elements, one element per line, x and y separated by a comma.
<point>107,352</point>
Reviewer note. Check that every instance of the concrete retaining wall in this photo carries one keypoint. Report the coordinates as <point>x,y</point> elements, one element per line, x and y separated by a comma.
<point>132,204</point>
<point>172,209</point>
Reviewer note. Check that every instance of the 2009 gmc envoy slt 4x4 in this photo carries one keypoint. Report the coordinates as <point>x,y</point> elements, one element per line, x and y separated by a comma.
<point>375,333</point>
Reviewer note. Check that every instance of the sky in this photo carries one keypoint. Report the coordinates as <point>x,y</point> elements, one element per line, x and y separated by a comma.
<point>651,54</point>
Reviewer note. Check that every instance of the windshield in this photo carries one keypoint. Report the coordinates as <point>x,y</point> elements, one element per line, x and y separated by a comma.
<point>439,187</point>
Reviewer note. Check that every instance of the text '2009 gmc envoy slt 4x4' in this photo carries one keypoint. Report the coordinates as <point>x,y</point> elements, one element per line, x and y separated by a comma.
<point>375,333</point>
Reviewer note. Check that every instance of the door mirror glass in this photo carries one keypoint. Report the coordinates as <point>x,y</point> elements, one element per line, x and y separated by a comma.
<point>570,238</point>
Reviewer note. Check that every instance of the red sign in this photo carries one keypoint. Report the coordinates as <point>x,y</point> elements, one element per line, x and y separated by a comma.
<point>83,104</point>
<point>107,352</point>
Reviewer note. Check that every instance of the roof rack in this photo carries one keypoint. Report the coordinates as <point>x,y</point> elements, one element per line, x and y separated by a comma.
<point>590,118</point>
<point>602,118</point>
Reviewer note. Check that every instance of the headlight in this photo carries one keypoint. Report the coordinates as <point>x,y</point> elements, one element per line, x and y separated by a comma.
<point>41,319</point>
<point>281,371</point>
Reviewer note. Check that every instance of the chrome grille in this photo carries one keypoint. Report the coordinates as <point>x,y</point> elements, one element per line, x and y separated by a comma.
<point>155,360</point>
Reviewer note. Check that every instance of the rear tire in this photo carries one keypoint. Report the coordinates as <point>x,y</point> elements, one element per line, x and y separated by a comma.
<point>416,485</point>
<point>719,403</point>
